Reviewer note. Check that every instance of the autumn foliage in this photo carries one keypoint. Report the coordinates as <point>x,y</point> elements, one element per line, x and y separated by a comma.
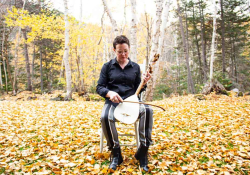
<point>191,137</point>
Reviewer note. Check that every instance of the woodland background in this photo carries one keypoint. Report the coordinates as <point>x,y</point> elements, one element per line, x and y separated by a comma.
<point>49,55</point>
<point>43,49</point>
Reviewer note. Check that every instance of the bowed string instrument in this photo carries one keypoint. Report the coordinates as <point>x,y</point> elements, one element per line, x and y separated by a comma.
<point>128,111</point>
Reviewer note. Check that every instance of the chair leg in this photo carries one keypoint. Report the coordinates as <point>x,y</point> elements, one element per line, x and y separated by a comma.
<point>137,134</point>
<point>101,141</point>
<point>136,124</point>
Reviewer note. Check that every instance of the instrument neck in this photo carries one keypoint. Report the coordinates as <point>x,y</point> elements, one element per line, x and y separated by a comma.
<point>139,88</point>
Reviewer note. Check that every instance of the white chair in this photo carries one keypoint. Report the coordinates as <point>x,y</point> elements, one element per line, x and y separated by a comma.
<point>136,135</point>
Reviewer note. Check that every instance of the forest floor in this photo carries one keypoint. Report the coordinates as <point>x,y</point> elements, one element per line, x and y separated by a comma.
<point>210,136</point>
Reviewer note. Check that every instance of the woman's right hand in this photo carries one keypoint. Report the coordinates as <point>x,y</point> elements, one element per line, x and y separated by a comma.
<point>114,97</point>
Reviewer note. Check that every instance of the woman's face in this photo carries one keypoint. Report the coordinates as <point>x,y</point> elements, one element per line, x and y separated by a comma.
<point>122,52</point>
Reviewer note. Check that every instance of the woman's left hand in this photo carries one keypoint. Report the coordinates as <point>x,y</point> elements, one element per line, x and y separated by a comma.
<point>146,77</point>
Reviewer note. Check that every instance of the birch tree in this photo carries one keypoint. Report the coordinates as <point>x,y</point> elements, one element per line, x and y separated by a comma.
<point>154,48</point>
<point>133,32</point>
<point>148,25</point>
<point>184,44</point>
<point>223,38</point>
<point>81,88</point>
<point>204,68</point>
<point>66,53</point>
<point>14,83</point>
<point>2,50</point>
<point>163,26</point>
<point>213,47</point>
<point>163,32</point>
<point>112,20</point>
<point>29,86</point>
<point>161,41</point>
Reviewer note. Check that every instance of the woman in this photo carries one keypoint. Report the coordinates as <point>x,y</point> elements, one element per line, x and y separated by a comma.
<point>119,79</point>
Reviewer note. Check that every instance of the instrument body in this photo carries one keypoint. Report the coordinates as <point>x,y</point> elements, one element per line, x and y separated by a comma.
<point>128,113</point>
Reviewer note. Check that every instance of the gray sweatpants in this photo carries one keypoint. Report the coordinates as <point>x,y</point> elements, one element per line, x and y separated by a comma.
<point>145,125</point>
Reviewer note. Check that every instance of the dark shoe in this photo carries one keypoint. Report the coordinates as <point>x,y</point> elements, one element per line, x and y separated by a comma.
<point>116,157</point>
<point>142,156</point>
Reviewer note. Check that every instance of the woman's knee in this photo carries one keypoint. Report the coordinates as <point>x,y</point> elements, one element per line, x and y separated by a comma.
<point>105,112</point>
<point>104,118</point>
<point>149,110</point>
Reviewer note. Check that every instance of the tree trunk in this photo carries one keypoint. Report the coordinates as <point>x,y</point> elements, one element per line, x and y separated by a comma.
<point>178,64</point>
<point>41,70</point>
<point>154,48</point>
<point>231,56</point>
<point>197,46</point>
<point>78,72</point>
<point>14,84</point>
<point>81,88</point>
<point>29,87</point>
<point>163,27</point>
<point>6,78</point>
<point>148,47</point>
<point>163,31</point>
<point>203,44</point>
<point>190,79</point>
<point>113,22</point>
<point>213,47</point>
<point>133,32</point>
<point>125,17</point>
<point>66,53</point>
<point>223,39</point>
<point>104,55</point>
<point>213,86</point>
<point>2,50</point>
<point>33,66</point>
<point>235,61</point>
<point>7,62</point>
<point>49,78</point>
<point>187,35</point>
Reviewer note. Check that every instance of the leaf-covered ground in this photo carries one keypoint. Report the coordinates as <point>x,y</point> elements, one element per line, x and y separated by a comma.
<point>210,136</point>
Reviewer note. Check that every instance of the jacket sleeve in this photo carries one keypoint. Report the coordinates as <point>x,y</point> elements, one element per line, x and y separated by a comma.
<point>101,87</point>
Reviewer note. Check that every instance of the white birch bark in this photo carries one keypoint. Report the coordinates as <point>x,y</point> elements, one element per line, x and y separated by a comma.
<point>113,22</point>
<point>248,3</point>
<point>157,24</point>
<point>125,17</point>
<point>155,43</point>
<point>213,47</point>
<point>133,32</point>
<point>80,51</point>
<point>161,40</point>
<point>66,53</point>
<point>177,62</point>
<point>163,26</point>
<point>104,55</point>
<point>16,56</point>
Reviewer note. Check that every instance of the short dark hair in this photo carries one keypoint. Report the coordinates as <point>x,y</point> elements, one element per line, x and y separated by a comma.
<point>122,39</point>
